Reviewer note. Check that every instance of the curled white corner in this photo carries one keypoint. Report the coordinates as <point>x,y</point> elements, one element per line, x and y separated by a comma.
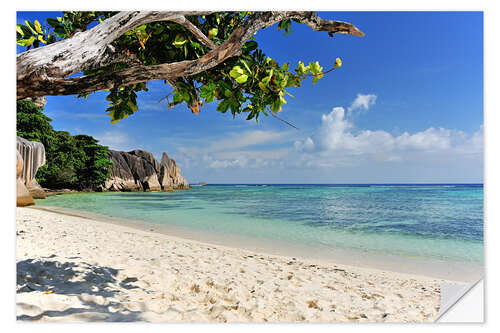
<point>452,295</point>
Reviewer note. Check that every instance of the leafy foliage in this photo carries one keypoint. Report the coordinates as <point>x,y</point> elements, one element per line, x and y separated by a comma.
<point>94,167</point>
<point>72,161</point>
<point>33,33</point>
<point>250,83</point>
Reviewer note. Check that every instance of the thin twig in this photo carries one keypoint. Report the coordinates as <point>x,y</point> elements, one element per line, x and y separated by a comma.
<point>197,33</point>
<point>283,120</point>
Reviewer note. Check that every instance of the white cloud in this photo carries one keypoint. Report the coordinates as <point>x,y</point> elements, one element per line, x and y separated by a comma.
<point>237,150</point>
<point>75,115</point>
<point>338,150</point>
<point>255,154</point>
<point>241,161</point>
<point>362,102</point>
<point>117,140</point>
<point>237,141</point>
<point>431,139</point>
<point>335,142</point>
<point>306,145</point>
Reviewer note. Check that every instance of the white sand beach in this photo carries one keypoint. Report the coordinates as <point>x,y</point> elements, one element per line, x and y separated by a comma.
<point>74,269</point>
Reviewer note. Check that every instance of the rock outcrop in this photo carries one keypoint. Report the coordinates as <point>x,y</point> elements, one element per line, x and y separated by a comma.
<point>138,170</point>
<point>170,174</point>
<point>31,156</point>
<point>23,196</point>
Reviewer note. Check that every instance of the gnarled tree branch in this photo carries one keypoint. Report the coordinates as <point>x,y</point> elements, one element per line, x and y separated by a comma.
<point>87,49</point>
<point>196,32</point>
<point>43,71</point>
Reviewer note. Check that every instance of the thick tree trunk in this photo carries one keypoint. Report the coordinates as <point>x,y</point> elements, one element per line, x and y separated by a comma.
<point>45,70</point>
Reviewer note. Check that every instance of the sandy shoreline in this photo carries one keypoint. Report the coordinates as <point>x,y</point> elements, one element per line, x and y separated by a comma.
<point>76,269</point>
<point>463,272</point>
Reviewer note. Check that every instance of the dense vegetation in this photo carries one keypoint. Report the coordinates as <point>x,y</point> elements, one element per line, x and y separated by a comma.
<point>76,162</point>
<point>240,77</point>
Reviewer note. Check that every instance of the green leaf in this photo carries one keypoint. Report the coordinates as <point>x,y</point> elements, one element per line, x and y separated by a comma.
<point>38,27</point>
<point>178,98</point>
<point>52,22</point>
<point>337,63</point>
<point>276,105</point>
<point>246,66</point>
<point>26,42</point>
<point>132,106</point>
<point>32,28</point>
<point>301,69</point>
<point>242,78</point>
<point>317,77</point>
<point>282,100</point>
<point>251,115</point>
<point>26,30</point>
<point>212,33</point>
<point>19,29</point>
<point>250,46</point>
<point>236,72</point>
<point>223,106</point>
<point>179,40</point>
<point>40,38</point>
<point>60,32</point>
<point>315,68</point>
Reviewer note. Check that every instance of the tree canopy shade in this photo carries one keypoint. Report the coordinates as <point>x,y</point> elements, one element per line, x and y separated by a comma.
<point>204,56</point>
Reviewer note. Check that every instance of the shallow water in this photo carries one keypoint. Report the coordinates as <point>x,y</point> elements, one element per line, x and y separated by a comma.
<point>437,222</point>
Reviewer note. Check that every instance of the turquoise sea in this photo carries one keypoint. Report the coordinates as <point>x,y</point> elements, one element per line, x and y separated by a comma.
<point>438,222</point>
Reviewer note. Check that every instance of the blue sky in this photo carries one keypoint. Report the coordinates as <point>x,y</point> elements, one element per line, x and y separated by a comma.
<point>406,106</point>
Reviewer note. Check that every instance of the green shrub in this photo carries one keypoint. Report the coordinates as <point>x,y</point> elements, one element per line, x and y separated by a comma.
<point>76,162</point>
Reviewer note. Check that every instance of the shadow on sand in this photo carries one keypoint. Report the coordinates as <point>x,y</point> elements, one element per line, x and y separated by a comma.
<point>75,280</point>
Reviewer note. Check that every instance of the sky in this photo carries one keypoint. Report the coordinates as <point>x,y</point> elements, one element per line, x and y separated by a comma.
<point>405,107</point>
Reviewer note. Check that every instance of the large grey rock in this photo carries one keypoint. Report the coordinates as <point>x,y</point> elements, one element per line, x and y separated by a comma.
<point>36,190</point>
<point>170,174</point>
<point>138,170</point>
<point>145,168</point>
<point>32,155</point>
<point>121,178</point>
<point>23,196</point>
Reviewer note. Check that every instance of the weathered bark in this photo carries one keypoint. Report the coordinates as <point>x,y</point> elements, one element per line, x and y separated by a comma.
<point>43,71</point>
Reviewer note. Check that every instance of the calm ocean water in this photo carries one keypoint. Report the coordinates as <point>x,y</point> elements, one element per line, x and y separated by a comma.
<point>443,222</point>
